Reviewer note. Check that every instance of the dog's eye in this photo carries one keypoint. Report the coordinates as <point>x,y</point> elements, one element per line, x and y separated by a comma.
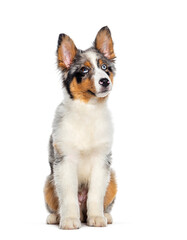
<point>103,67</point>
<point>84,70</point>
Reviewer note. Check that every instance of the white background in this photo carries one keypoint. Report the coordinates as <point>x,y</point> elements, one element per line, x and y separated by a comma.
<point>148,103</point>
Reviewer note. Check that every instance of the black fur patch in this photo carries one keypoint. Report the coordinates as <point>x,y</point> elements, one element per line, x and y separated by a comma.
<point>70,78</point>
<point>79,76</point>
<point>67,83</point>
<point>110,69</point>
<point>92,93</point>
<point>108,73</point>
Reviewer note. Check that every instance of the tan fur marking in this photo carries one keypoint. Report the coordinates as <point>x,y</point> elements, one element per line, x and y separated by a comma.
<point>112,77</point>
<point>88,64</point>
<point>50,195</point>
<point>80,90</point>
<point>111,191</point>
<point>100,62</point>
<point>102,99</point>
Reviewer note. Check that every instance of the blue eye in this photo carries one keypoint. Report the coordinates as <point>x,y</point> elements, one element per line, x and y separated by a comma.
<point>103,67</point>
<point>84,70</point>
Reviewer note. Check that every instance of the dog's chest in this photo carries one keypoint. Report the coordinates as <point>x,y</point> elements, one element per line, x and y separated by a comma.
<point>86,127</point>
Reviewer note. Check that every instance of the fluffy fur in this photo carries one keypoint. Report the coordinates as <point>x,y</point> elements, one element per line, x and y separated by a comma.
<point>82,186</point>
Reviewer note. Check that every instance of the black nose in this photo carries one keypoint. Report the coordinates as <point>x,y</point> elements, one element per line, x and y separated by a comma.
<point>104,82</point>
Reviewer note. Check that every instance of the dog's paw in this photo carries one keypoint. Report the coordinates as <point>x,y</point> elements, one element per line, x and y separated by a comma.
<point>52,219</point>
<point>70,223</point>
<point>108,217</point>
<point>97,221</point>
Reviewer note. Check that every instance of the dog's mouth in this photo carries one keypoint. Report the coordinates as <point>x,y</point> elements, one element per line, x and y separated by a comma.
<point>103,93</point>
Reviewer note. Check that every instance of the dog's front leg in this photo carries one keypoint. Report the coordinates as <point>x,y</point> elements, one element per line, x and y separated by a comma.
<point>65,175</point>
<point>97,187</point>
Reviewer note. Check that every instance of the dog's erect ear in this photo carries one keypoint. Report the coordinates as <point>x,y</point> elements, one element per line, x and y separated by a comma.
<point>104,43</point>
<point>66,51</point>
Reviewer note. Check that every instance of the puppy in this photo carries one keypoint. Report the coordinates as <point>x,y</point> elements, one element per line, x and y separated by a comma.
<point>82,186</point>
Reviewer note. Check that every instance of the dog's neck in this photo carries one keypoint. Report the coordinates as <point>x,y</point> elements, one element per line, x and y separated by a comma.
<point>91,104</point>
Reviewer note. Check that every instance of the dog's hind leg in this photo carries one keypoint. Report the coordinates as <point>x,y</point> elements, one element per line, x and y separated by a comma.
<point>51,201</point>
<point>50,195</point>
<point>110,197</point>
<point>53,219</point>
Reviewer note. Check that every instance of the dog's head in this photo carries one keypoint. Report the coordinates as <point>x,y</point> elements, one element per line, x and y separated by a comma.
<point>87,74</point>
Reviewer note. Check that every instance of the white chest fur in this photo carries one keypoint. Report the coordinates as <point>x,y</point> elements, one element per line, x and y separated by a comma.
<point>84,127</point>
<point>83,132</point>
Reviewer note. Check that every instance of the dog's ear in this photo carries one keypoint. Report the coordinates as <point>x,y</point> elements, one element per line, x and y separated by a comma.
<point>66,51</point>
<point>103,43</point>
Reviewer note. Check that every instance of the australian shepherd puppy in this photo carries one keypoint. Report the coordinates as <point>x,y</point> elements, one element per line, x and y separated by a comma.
<point>82,186</point>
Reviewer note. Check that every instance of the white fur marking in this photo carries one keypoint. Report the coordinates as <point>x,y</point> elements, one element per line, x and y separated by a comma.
<point>99,73</point>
